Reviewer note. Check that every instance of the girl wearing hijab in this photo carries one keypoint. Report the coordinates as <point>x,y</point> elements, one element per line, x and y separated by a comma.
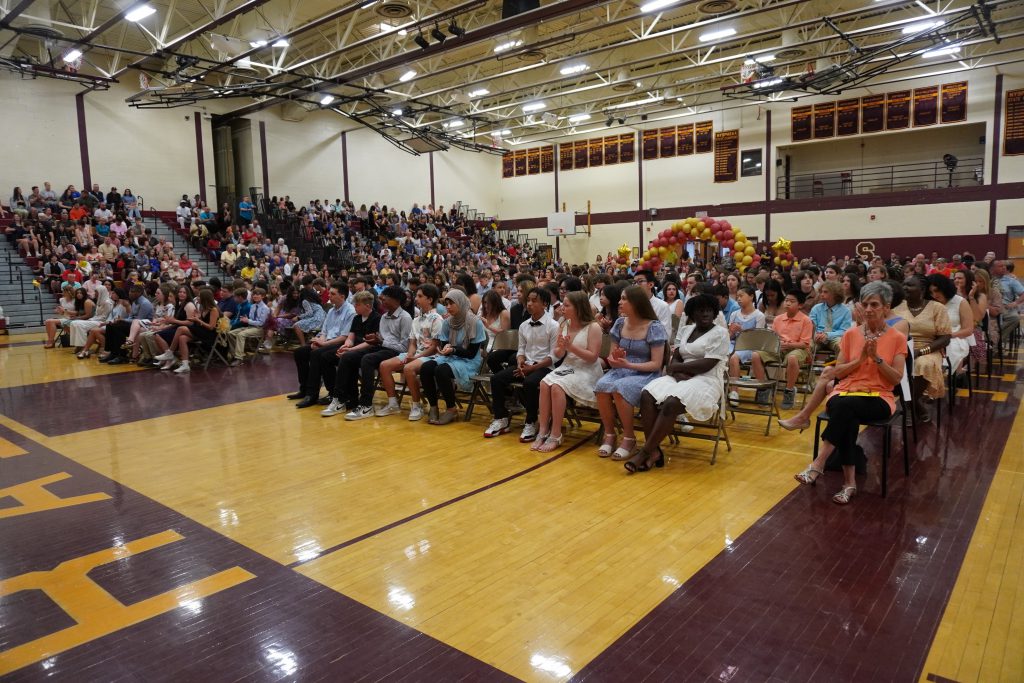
<point>461,339</point>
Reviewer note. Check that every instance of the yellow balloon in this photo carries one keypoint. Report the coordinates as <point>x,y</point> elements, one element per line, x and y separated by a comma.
<point>738,257</point>
<point>739,236</point>
<point>662,251</point>
<point>778,261</point>
<point>705,233</point>
<point>747,260</point>
<point>748,250</point>
<point>700,225</point>
<point>785,263</point>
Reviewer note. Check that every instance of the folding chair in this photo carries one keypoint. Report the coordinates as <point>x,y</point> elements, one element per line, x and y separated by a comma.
<point>756,340</point>
<point>712,430</point>
<point>207,353</point>
<point>480,393</point>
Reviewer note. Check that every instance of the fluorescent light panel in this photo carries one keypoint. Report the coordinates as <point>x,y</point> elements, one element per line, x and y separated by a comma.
<point>533,106</point>
<point>921,26</point>
<point>508,46</point>
<point>574,69</point>
<point>942,51</point>
<point>480,92</point>
<point>281,42</point>
<point>72,55</point>
<point>327,99</point>
<point>637,103</point>
<point>140,13</point>
<point>577,118</point>
<point>407,76</point>
<point>760,59</point>
<point>457,123</point>
<point>656,5</point>
<point>715,35</point>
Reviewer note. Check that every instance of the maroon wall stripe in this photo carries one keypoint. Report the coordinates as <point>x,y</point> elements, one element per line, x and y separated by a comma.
<point>430,158</point>
<point>263,156</point>
<point>769,168</point>
<point>344,163</point>
<point>558,242</point>
<point>997,127</point>
<point>953,195</point>
<point>83,141</point>
<point>199,155</point>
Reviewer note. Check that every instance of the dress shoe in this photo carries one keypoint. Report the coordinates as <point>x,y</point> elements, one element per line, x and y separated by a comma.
<point>117,360</point>
<point>325,401</point>
<point>307,402</point>
<point>297,395</point>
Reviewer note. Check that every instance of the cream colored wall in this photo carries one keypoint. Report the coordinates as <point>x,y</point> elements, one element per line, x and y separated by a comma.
<point>889,221</point>
<point>467,177</point>
<point>304,157</point>
<point>528,196</point>
<point>41,135</point>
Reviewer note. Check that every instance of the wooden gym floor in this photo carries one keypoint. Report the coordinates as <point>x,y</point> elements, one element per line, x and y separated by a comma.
<point>157,527</point>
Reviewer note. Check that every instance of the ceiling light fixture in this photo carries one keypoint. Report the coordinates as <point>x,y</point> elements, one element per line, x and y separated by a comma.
<point>438,34</point>
<point>72,55</point>
<point>140,13</point>
<point>480,92</point>
<point>396,112</point>
<point>636,103</point>
<point>533,106</point>
<point>759,59</point>
<point>257,43</point>
<point>941,51</point>
<point>421,41</point>
<point>656,5</point>
<point>577,118</point>
<point>457,123</point>
<point>281,42</point>
<point>327,99</point>
<point>715,35</point>
<point>508,46</point>
<point>503,131</point>
<point>455,29</point>
<point>574,69</point>
<point>610,121</point>
<point>921,26</point>
<point>407,76</point>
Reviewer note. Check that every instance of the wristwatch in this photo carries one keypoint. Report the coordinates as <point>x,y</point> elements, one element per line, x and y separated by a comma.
<point>878,360</point>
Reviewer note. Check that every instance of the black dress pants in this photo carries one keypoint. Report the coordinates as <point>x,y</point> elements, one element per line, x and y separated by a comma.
<point>355,367</point>
<point>115,336</point>
<point>845,416</point>
<point>530,395</point>
<point>314,366</point>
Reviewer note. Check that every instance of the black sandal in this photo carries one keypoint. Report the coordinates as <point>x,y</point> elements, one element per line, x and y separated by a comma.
<point>633,467</point>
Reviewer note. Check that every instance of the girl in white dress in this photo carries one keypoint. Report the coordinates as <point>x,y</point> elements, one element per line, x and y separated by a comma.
<point>80,328</point>
<point>693,383</point>
<point>961,318</point>
<point>579,347</point>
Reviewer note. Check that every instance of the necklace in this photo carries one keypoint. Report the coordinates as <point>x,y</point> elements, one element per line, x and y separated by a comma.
<point>916,309</point>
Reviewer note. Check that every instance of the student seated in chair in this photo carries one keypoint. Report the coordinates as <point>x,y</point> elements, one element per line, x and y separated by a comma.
<point>537,338</point>
<point>250,325</point>
<point>795,331</point>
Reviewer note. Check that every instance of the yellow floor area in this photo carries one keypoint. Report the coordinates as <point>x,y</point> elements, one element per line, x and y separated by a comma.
<point>577,546</point>
<point>23,365</point>
<point>981,635</point>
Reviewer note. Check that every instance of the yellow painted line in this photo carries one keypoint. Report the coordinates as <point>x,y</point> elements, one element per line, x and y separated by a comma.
<point>997,396</point>
<point>27,432</point>
<point>9,450</point>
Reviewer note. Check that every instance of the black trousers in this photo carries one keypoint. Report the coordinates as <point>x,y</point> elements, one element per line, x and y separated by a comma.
<point>314,366</point>
<point>530,394</point>
<point>845,416</point>
<point>496,360</point>
<point>355,367</point>
<point>438,379</point>
<point>116,334</point>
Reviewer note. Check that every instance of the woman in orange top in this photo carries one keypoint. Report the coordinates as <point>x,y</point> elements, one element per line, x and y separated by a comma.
<point>871,362</point>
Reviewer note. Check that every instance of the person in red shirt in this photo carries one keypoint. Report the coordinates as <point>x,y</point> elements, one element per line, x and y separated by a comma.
<point>795,331</point>
<point>77,212</point>
<point>72,273</point>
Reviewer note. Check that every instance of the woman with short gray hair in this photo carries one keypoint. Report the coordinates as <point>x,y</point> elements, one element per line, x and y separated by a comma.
<point>870,364</point>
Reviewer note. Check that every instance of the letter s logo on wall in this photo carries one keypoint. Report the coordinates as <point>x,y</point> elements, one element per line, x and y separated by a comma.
<point>866,250</point>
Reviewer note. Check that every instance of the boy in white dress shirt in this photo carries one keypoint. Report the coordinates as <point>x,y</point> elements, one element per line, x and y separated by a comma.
<point>537,337</point>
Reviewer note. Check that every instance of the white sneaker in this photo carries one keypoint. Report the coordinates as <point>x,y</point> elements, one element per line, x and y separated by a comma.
<point>360,413</point>
<point>529,433</point>
<point>499,426</point>
<point>166,355</point>
<point>416,412</point>
<point>168,363</point>
<point>268,345</point>
<point>334,408</point>
<point>683,423</point>
<point>734,397</point>
<point>386,410</point>
<point>183,369</point>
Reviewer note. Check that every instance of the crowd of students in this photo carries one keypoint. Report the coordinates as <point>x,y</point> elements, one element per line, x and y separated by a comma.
<point>427,304</point>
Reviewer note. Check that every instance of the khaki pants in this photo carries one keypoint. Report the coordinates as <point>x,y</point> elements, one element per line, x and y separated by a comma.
<point>238,338</point>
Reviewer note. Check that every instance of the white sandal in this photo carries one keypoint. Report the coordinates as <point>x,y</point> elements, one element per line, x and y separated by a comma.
<point>844,495</point>
<point>806,478</point>
<point>622,452</point>
<point>607,446</point>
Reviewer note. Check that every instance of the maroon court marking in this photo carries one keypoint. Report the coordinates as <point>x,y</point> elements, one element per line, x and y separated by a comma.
<point>819,592</point>
<point>277,626</point>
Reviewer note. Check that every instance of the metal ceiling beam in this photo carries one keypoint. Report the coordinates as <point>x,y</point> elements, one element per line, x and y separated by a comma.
<point>15,11</point>
<point>517,22</point>
<point>191,35</point>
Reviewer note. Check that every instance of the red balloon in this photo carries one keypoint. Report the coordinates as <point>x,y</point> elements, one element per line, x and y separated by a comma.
<point>673,240</point>
<point>728,243</point>
<point>728,233</point>
<point>725,224</point>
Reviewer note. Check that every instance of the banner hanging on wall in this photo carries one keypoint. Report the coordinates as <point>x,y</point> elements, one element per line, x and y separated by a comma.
<point>727,150</point>
<point>1013,129</point>
<point>926,106</point>
<point>704,132</point>
<point>824,120</point>
<point>954,102</point>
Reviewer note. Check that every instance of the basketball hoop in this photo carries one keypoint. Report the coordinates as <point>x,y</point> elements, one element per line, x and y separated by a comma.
<point>143,81</point>
<point>73,66</point>
<point>748,72</point>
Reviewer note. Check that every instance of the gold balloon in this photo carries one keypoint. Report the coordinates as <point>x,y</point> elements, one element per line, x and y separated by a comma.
<point>782,246</point>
